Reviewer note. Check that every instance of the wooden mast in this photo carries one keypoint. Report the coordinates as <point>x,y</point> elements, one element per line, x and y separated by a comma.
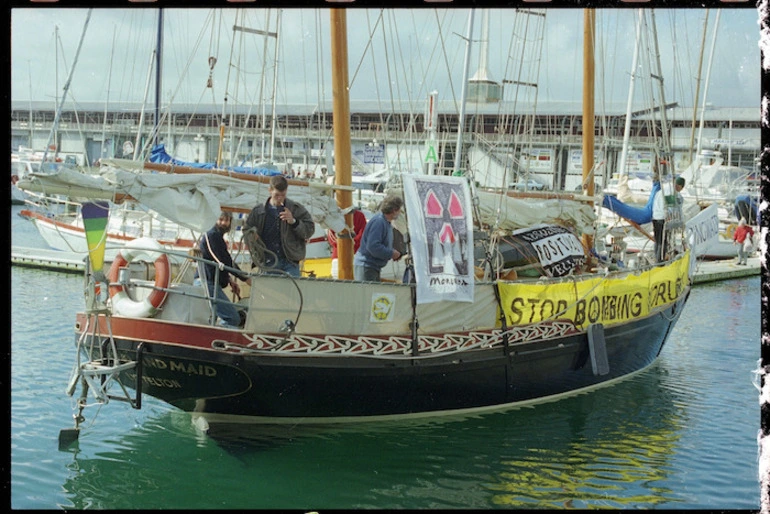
<point>342,158</point>
<point>589,25</point>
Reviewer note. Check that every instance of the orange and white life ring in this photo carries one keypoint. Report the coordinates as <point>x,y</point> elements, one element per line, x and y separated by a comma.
<point>147,250</point>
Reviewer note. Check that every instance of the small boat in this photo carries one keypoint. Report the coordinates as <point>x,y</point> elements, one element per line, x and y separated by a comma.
<point>65,231</point>
<point>23,162</point>
<point>465,330</point>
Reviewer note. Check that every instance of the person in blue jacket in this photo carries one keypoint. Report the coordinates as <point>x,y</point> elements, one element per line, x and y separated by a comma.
<point>377,242</point>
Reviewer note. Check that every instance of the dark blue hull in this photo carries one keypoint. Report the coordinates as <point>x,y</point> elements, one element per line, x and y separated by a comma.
<point>274,386</point>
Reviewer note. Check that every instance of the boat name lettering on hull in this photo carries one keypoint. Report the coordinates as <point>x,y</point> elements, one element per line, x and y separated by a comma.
<point>165,383</point>
<point>180,367</point>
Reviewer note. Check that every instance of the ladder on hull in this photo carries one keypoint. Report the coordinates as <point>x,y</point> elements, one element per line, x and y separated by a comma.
<point>98,375</point>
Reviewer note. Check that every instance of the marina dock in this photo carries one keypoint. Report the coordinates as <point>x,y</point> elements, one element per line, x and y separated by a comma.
<point>55,260</point>
<point>726,269</point>
<point>71,262</point>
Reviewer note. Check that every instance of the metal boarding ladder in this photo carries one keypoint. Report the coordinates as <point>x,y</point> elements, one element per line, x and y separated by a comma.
<point>98,375</point>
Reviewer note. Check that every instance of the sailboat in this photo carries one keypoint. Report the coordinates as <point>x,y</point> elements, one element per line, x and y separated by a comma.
<point>60,221</point>
<point>463,336</point>
<point>711,192</point>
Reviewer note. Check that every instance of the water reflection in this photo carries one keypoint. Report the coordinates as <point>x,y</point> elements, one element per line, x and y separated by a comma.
<point>656,440</point>
<point>150,466</point>
<point>611,449</point>
<point>607,449</point>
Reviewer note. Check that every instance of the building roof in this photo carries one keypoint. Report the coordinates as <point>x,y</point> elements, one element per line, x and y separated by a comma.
<point>444,107</point>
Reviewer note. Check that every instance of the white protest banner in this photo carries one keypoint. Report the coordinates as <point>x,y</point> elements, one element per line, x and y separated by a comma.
<point>441,237</point>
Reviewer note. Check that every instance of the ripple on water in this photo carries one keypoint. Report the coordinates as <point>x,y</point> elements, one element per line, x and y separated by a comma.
<point>674,436</point>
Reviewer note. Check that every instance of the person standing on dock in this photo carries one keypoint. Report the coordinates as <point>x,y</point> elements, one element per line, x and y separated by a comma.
<point>377,242</point>
<point>214,248</point>
<point>282,226</point>
<point>743,238</point>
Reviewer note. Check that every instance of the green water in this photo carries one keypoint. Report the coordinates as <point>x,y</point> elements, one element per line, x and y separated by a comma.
<point>681,435</point>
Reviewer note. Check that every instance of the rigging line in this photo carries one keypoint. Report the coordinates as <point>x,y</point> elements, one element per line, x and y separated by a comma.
<point>446,60</point>
<point>235,67</point>
<point>80,132</point>
<point>302,39</point>
<point>107,100</point>
<point>398,116</point>
<point>226,90</point>
<point>183,75</point>
<point>664,127</point>
<point>239,67</point>
<point>405,72</point>
<point>374,66</point>
<point>528,121</point>
<point>320,53</point>
<point>276,60</point>
<point>387,68</point>
<point>677,78</point>
<point>396,51</point>
<point>433,61</point>
<point>261,95</point>
<point>423,89</point>
<point>352,79</point>
<point>416,96</point>
<point>218,28</point>
<point>506,117</point>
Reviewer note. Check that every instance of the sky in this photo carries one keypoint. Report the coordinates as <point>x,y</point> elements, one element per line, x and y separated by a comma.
<point>392,53</point>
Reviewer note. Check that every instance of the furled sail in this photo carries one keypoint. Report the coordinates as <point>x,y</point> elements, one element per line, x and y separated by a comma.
<point>193,200</point>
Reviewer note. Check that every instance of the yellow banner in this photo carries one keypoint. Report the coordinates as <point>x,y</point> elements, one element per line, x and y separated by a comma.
<point>598,300</point>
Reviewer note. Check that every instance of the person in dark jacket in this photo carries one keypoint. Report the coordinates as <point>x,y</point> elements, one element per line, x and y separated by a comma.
<point>214,248</point>
<point>283,226</point>
<point>377,242</point>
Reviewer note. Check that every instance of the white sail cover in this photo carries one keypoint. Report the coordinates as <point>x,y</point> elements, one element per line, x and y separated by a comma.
<point>510,213</point>
<point>192,200</point>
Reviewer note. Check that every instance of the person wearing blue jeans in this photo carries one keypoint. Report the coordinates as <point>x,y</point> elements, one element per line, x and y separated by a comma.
<point>214,248</point>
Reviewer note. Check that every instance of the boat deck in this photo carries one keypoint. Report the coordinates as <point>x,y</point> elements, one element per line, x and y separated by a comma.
<point>706,271</point>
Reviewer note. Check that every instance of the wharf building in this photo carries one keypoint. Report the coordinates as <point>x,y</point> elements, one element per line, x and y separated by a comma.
<point>499,146</point>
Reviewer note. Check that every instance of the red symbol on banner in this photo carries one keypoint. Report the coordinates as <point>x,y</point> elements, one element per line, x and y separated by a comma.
<point>433,208</point>
<point>455,206</point>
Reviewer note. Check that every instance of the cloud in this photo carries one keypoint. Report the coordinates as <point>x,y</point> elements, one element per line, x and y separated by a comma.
<point>398,53</point>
